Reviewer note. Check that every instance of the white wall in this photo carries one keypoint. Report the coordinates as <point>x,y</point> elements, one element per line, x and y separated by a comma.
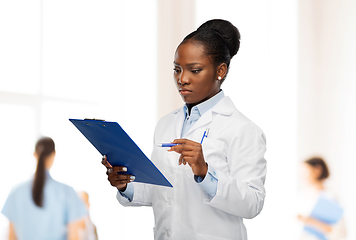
<point>327,93</point>
<point>175,19</point>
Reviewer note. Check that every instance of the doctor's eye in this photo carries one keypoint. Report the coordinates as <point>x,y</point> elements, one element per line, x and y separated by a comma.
<point>196,71</point>
<point>176,70</point>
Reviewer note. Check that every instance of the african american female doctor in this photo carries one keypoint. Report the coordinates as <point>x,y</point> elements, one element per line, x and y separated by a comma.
<point>220,182</point>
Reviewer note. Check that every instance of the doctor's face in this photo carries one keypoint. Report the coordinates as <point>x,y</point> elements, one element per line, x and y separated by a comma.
<point>195,75</point>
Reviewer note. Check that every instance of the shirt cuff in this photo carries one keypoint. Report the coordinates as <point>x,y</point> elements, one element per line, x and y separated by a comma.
<point>129,192</point>
<point>210,183</point>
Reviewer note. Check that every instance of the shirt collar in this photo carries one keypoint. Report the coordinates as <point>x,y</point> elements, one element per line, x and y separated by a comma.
<point>203,107</point>
<point>48,175</point>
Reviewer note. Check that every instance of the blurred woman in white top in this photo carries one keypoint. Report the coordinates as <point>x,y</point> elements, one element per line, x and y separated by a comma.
<point>314,173</point>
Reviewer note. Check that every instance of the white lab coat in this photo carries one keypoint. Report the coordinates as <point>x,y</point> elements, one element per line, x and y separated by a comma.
<point>235,147</point>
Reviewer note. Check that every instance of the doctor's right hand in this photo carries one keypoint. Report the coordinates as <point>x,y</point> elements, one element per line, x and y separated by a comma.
<point>115,176</point>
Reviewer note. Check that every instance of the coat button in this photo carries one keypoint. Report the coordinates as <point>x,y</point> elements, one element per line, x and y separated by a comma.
<point>168,233</point>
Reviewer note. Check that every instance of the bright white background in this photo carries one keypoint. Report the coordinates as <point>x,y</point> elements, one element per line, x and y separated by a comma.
<point>76,59</point>
<point>86,58</point>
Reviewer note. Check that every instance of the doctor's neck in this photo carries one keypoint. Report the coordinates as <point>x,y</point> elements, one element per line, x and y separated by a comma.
<point>191,105</point>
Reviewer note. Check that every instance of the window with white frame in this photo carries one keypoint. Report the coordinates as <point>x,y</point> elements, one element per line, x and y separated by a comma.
<point>75,59</point>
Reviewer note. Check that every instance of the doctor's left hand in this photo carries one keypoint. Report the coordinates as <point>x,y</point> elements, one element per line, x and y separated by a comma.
<point>192,153</point>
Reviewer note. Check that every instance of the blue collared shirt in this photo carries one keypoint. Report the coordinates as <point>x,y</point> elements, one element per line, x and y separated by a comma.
<point>61,206</point>
<point>198,110</point>
<point>210,182</point>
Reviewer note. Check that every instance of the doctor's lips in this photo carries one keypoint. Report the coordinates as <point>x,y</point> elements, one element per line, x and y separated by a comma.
<point>184,91</point>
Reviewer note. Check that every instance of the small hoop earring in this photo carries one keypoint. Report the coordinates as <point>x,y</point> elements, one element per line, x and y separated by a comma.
<point>219,78</point>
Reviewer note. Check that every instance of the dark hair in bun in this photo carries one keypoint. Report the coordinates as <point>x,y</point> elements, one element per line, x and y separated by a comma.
<point>221,40</point>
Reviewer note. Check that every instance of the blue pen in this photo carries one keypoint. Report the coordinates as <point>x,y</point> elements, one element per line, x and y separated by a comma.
<point>166,144</point>
<point>206,132</point>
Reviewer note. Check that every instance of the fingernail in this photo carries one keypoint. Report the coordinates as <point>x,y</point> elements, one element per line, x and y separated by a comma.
<point>132,178</point>
<point>124,169</point>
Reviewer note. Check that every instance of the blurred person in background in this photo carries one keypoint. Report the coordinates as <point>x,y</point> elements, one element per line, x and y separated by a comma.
<point>42,208</point>
<point>320,213</point>
<point>88,229</point>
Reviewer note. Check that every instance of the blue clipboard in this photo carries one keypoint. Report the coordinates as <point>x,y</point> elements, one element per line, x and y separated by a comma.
<point>325,210</point>
<point>111,140</point>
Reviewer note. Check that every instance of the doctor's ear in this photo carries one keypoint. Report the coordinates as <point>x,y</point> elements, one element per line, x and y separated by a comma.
<point>221,71</point>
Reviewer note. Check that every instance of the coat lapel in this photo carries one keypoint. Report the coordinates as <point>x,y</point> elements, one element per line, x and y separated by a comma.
<point>202,121</point>
<point>178,122</point>
<point>223,107</point>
